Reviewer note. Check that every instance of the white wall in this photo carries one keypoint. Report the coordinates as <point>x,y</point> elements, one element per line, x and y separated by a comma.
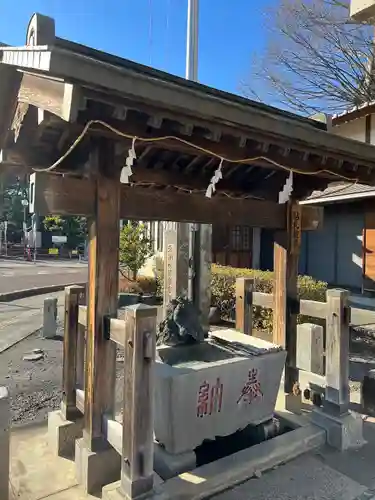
<point>372,130</point>
<point>355,129</point>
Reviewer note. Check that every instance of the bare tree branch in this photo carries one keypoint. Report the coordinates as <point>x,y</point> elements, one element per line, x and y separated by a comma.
<point>316,58</point>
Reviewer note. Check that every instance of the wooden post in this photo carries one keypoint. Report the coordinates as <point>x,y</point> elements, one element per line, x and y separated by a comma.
<point>138,414</point>
<point>104,227</point>
<point>286,253</point>
<point>337,352</point>
<point>80,376</point>
<point>244,305</point>
<point>68,403</point>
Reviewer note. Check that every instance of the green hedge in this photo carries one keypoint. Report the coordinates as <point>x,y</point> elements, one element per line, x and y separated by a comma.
<point>223,289</point>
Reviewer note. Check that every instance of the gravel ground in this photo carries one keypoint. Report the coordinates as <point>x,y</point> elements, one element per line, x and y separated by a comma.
<point>35,386</point>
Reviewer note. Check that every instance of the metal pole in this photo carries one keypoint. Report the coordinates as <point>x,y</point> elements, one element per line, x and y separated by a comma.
<point>192,41</point>
<point>6,237</point>
<point>35,229</point>
<point>192,74</point>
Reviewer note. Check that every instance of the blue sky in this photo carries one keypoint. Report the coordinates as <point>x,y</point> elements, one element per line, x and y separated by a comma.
<point>229,32</point>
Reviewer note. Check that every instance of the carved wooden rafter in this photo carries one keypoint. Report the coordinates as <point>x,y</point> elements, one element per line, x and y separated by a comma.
<point>18,119</point>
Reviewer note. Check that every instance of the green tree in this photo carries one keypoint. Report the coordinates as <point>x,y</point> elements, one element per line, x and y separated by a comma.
<point>13,191</point>
<point>75,228</point>
<point>135,248</point>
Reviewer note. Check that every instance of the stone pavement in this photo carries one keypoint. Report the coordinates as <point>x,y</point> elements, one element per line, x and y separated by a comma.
<point>325,474</point>
<point>303,478</point>
<point>321,475</point>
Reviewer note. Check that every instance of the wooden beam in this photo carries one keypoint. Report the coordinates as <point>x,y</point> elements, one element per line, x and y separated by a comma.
<point>250,121</point>
<point>102,292</point>
<point>311,219</point>
<point>54,194</point>
<point>296,158</point>
<point>286,253</point>
<point>10,80</point>
<point>53,95</point>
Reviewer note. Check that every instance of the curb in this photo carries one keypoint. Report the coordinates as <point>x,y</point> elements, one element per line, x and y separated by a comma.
<point>31,292</point>
<point>230,471</point>
<point>24,337</point>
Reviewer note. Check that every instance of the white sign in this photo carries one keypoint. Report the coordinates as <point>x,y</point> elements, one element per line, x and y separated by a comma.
<point>59,239</point>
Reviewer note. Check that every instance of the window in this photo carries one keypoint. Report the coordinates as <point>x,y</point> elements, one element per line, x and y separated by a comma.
<point>241,238</point>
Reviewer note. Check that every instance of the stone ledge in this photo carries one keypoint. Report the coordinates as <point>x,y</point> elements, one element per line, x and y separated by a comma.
<point>227,472</point>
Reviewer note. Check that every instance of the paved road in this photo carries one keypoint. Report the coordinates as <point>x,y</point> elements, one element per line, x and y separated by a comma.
<point>18,275</point>
<point>20,318</point>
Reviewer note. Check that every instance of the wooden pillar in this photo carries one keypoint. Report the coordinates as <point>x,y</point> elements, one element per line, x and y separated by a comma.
<point>138,414</point>
<point>70,360</point>
<point>100,375</point>
<point>286,253</point>
<point>81,346</point>
<point>244,305</point>
<point>337,352</point>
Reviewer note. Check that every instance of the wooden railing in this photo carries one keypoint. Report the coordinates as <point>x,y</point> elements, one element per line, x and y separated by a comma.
<point>133,438</point>
<point>246,296</point>
<point>337,314</point>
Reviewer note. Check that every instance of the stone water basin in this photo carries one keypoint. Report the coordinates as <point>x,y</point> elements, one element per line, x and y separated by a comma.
<point>214,388</point>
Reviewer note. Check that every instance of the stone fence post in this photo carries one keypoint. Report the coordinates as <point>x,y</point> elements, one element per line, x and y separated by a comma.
<point>344,429</point>
<point>50,318</point>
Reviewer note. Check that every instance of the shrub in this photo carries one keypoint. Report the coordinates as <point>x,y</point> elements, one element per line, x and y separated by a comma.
<point>223,291</point>
<point>143,284</point>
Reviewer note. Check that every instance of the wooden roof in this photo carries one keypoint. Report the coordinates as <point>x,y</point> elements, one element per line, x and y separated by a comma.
<point>51,88</point>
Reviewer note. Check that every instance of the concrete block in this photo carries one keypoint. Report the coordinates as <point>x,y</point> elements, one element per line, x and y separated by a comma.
<point>343,432</point>
<point>214,388</point>
<point>4,442</point>
<point>50,318</point>
<point>293,403</point>
<point>310,348</point>
<point>62,434</point>
<point>96,469</point>
<point>113,491</point>
<point>167,465</point>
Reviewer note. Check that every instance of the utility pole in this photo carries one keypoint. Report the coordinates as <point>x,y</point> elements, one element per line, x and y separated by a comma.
<point>192,41</point>
<point>191,73</point>
<point>187,247</point>
<point>200,235</point>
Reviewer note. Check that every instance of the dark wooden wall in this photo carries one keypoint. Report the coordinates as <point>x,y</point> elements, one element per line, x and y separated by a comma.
<point>232,245</point>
